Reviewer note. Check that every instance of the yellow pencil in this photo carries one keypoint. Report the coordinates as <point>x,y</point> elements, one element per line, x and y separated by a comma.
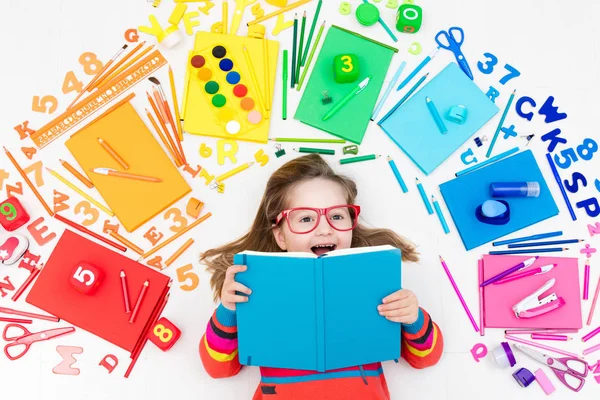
<point>255,82</point>
<point>112,69</point>
<point>267,83</point>
<point>111,79</point>
<point>225,16</point>
<point>81,192</point>
<point>280,11</point>
<point>179,252</point>
<point>237,170</point>
<point>175,105</point>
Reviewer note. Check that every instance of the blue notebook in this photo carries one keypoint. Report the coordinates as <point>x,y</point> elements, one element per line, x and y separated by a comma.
<point>318,313</point>
<point>463,194</point>
<point>413,129</point>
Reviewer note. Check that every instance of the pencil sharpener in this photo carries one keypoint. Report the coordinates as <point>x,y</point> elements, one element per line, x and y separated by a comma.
<point>457,114</point>
<point>524,377</point>
<point>86,278</point>
<point>352,149</point>
<point>493,212</point>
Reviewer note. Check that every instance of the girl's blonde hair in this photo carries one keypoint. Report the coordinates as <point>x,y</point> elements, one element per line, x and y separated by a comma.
<point>260,236</point>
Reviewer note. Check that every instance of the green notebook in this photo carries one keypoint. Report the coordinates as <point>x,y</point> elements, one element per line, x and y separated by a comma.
<point>351,121</point>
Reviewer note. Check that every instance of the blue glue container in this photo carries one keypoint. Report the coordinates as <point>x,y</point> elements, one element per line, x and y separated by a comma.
<point>514,189</point>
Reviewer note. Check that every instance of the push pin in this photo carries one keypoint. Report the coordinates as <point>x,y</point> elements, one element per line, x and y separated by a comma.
<point>528,137</point>
<point>352,149</point>
<point>326,98</point>
<point>280,150</point>
<point>479,141</point>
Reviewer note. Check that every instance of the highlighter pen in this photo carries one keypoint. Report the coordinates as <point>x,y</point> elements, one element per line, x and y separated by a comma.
<point>424,197</point>
<point>438,211</point>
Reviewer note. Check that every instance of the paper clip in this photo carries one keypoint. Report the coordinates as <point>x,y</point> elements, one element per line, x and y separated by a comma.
<point>532,306</point>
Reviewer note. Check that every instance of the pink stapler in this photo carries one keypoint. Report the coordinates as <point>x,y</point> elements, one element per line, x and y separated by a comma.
<point>532,306</point>
<point>13,248</point>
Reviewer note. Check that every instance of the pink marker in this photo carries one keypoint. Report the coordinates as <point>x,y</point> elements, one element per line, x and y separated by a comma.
<point>586,280</point>
<point>591,335</point>
<point>560,338</point>
<point>534,271</point>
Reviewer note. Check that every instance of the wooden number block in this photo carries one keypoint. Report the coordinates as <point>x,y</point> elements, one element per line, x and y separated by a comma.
<point>345,68</point>
<point>12,214</point>
<point>409,18</point>
<point>86,278</point>
<point>164,334</point>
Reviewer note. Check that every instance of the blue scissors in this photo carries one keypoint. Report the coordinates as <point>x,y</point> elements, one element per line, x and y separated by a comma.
<point>448,40</point>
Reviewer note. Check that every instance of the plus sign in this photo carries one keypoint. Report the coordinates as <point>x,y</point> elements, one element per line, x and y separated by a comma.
<point>588,250</point>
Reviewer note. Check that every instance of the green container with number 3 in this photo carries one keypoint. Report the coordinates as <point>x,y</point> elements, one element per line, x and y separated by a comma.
<point>345,68</point>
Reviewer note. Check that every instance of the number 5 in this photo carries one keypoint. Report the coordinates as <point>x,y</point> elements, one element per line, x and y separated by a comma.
<point>39,105</point>
<point>569,155</point>
<point>184,273</point>
<point>81,274</point>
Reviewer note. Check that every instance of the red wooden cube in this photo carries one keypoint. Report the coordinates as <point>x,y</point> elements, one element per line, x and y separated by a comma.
<point>164,334</point>
<point>12,214</point>
<point>86,278</point>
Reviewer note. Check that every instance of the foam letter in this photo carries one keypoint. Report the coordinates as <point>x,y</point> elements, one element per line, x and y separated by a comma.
<point>59,202</point>
<point>110,367</point>
<point>12,190</point>
<point>509,132</point>
<point>3,176</point>
<point>492,93</point>
<point>207,177</point>
<point>261,157</point>
<point>131,35</point>
<point>38,233</point>
<point>8,286</point>
<point>550,111</point>
<point>29,261</point>
<point>29,152</point>
<point>23,130</point>
<point>153,236</point>
<point>519,105</point>
<point>591,206</point>
<point>110,227</point>
<point>191,170</point>
<point>479,351</point>
<point>467,154</point>
<point>553,138</point>
<point>66,352</point>
<point>222,153</point>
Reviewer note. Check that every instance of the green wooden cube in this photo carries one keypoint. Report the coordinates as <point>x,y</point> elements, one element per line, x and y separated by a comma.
<point>409,18</point>
<point>345,68</point>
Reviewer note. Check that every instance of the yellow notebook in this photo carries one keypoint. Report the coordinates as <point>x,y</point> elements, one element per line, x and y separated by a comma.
<point>134,202</point>
<point>221,98</point>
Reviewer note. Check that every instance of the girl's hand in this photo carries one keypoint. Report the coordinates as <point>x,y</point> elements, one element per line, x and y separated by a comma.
<point>230,286</point>
<point>401,306</point>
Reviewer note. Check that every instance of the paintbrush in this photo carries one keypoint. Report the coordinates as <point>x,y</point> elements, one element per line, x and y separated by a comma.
<point>168,115</point>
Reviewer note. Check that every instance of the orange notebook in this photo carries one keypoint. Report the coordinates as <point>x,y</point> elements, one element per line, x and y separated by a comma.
<point>133,202</point>
<point>102,313</point>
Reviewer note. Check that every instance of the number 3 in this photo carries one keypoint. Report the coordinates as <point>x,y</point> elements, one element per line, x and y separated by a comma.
<point>348,64</point>
<point>489,64</point>
<point>81,274</point>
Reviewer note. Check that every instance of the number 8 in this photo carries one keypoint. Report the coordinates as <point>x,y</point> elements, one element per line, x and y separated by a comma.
<point>160,331</point>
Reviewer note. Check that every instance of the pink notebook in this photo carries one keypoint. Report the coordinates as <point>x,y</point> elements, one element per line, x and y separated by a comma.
<point>498,300</point>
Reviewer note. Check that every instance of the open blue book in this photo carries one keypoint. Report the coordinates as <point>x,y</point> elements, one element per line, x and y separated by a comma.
<point>318,313</point>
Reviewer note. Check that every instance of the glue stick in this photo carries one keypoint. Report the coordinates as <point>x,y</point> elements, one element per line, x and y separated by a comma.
<point>514,189</point>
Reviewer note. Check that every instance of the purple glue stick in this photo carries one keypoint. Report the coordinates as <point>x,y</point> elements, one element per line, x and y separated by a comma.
<point>514,189</point>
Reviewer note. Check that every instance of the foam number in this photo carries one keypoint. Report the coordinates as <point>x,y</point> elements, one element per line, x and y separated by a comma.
<point>163,334</point>
<point>179,220</point>
<point>393,4</point>
<point>39,105</point>
<point>183,274</point>
<point>488,66</point>
<point>512,73</point>
<point>209,4</point>
<point>205,151</point>
<point>91,64</point>
<point>37,176</point>
<point>347,62</point>
<point>345,8</point>
<point>8,210</point>
<point>257,11</point>
<point>587,149</point>
<point>88,211</point>
<point>71,83</point>
<point>84,276</point>
<point>415,48</point>
<point>568,156</point>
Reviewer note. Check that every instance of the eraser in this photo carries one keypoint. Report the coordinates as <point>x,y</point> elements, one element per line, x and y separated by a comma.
<point>542,379</point>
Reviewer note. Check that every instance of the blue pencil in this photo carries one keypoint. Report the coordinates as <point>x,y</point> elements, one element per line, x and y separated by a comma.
<point>403,99</point>
<point>548,250</point>
<point>488,161</point>
<point>387,29</point>
<point>519,245</point>
<point>526,238</point>
<point>499,127</point>
<point>438,211</point>
<point>388,90</point>
<point>424,197</point>
<point>436,116</point>
<point>561,187</point>
<point>397,174</point>
<point>416,70</point>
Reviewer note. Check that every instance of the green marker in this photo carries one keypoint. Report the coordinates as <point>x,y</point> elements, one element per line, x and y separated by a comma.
<point>314,150</point>
<point>285,79</point>
<point>307,140</point>
<point>361,86</point>
<point>358,159</point>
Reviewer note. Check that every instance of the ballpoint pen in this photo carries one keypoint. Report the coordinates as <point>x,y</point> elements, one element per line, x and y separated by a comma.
<point>535,271</point>
<point>518,267</point>
<point>361,86</point>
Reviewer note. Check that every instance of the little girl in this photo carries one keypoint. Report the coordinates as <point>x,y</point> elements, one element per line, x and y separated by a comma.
<point>289,219</point>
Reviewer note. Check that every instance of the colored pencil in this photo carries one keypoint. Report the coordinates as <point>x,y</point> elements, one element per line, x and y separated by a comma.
<point>499,127</point>
<point>591,335</point>
<point>280,11</point>
<point>315,150</point>
<point>311,32</point>
<point>225,19</point>
<point>109,73</point>
<point>106,146</point>
<point>397,174</point>
<point>403,99</point>
<point>112,78</point>
<point>438,211</point>
<point>436,116</point>
<point>126,242</point>
<point>518,245</point>
<point>295,39</point>
<point>87,231</point>
<point>233,172</point>
<point>561,186</point>
<point>481,306</point>
<point>591,314</point>
<point>359,159</point>
<point>163,139</point>
<point>284,72</point>
<point>30,278</point>
<point>81,192</point>
<point>418,68</point>
<point>487,162</point>
<point>139,301</point>
<point>125,292</point>
<point>559,338</point>
<point>10,311</point>
<point>460,297</point>
<point>76,174</point>
<point>591,350</point>
<point>526,238</point>
<point>388,90</point>
<point>254,77</point>
<point>175,103</point>
<point>383,24</point>
<point>525,251</point>
<point>308,140</point>
<point>175,236</point>
<point>310,57</point>
<point>28,182</point>
<point>540,346</point>
<point>267,74</point>
<point>424,196</point>
<point>300,48</point>
<point>167,117</point>
<point>16,320</point>
<point>586,280</point>
<point>541,330</point>
<point>126,175</point>
<point>165,131</point>
<point>179,252</point>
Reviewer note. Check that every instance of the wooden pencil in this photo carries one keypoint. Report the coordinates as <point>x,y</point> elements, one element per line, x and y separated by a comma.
<point>179,252</point>
<point>118,64</point>
<point>76,174</point>
<point>87,231</point>
<point>165,131</point>
<point>294,38</point>
<point>126,242</point>
<point>175,104</point>
<point>163,138</point>
<point>111,79</point>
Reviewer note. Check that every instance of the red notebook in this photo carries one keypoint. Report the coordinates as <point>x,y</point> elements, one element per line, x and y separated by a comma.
<point>102,313</point>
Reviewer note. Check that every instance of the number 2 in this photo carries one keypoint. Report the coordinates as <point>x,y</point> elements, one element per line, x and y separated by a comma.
<point>81,274</point>
<point>348,64</point>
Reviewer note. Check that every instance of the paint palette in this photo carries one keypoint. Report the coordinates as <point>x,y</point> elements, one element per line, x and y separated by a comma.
<point>221,99</point>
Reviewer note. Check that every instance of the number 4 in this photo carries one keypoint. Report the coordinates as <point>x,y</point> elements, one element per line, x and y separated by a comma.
<point>71,83</point>
<point>184,273</point>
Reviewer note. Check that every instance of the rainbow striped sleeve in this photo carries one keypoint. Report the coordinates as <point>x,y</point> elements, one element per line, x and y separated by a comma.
<point>219,345</point>
<point>422,341</point>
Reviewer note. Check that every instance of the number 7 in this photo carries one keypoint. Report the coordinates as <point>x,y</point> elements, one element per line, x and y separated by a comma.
<point>512,73</point>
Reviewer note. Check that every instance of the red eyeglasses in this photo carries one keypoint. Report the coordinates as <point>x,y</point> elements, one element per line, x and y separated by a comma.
<point>306,219</point>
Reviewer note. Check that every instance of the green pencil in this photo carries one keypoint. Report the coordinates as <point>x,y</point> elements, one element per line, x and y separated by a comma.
<point>359,88</point>
<point>285,78</point>
<point>310,34</point>
<point>313,150</point>
<point>312,53</point>
<point>293,79</point>
<point>299,61</point>
<point>357,159</point>
<point>307,140</point>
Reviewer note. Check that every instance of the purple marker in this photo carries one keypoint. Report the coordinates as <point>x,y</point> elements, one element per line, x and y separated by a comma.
<point>509,271</point>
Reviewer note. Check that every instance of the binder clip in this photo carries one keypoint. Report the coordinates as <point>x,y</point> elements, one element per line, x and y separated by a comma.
<point>217,185</point>
<point>352,149</point>
<point>479,141</point>
<point>280,151</point>
<point>528,137</point>
<point>532,306</point>
<point>155,3</point>
<point>326,99</point>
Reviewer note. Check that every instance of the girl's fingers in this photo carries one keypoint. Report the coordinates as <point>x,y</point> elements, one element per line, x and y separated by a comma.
<point>234,269</point>
<point>399,295</point>
<point>397,312</point>
<point>394,305</point>
<point>236,286</point>
<point>235,298</point>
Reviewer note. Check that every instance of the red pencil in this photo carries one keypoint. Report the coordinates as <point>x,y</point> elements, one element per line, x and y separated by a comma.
<point>86,230</point>
<point>125,292</point>
<point>16,320</point>
<point>51,318</point>
<point>27,282</point>
<point>138,303</point>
